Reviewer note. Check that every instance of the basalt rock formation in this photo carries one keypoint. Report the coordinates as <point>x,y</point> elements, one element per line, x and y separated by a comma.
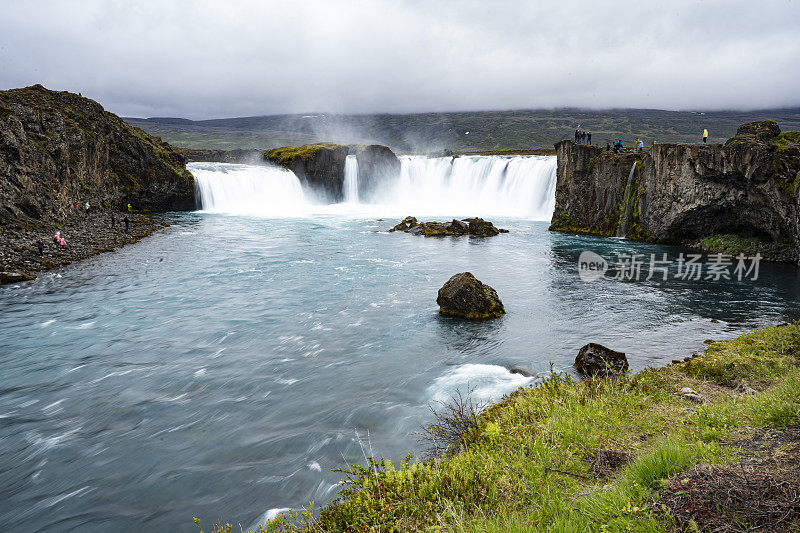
<point>476,227</point>
<point>57,148</point>
<point>682,193</point>
<point>320,167</point>
<point>377,166</point>
<point>463,296</point>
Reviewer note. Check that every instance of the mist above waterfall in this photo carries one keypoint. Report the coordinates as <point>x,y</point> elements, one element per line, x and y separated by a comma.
<point>518,186</point>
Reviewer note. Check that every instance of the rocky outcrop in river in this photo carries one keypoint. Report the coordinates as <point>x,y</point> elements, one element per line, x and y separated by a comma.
<point>681,193</point>
<point>320,167</point>
<point>477,227</point>
<point>377,167</point>
<point>57,148</point>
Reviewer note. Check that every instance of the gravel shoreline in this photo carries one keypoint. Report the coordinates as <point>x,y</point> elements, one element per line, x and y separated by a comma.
<point>86,234</point>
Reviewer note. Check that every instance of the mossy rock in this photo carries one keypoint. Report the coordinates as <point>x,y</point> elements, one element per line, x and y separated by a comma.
<point>288,154</point>
<point>463,296</point>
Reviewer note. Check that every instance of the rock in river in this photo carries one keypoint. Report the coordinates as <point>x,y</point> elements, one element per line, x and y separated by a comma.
<point>476,227</point>
<point>465,297</point>
<point>597,360</point>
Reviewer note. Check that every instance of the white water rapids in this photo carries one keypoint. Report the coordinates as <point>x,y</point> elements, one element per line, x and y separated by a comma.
<point>516,186</point>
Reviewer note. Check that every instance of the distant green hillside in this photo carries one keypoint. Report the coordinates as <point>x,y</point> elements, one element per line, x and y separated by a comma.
<point>488,130</point>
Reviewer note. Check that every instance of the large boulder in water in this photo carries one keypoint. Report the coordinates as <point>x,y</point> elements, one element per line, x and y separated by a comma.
<point>464,296</point>
<point>597,360</point>
<point>320,167</point>
<point>377,166</point>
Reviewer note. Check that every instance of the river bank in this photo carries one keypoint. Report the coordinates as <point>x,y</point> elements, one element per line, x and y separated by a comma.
<point>627,453</point>
<point>86,234</point>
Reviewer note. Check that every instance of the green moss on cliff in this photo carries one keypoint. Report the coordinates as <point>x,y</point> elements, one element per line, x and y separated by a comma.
<point>786,139</point>
<point>286,156</point>
<point>749,246</point>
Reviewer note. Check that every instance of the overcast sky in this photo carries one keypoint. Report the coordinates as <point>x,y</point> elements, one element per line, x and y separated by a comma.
<point>208,59</point>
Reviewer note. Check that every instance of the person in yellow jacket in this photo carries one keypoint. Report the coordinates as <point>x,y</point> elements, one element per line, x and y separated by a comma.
<point>705,135</point>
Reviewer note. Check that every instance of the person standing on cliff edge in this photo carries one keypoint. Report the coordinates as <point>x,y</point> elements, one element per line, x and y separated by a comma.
<point>705,135</point>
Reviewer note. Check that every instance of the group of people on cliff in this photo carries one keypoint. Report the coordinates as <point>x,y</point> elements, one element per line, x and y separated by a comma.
<point>583,137</point>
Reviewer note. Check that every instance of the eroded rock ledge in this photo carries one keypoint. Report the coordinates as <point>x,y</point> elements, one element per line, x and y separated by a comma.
<point>684,193</point>
<point>320,167</point>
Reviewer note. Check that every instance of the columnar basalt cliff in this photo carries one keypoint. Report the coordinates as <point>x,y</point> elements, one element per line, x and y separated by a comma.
<point>320,167</point>
<point>57,148</point>
<point>683,193</point>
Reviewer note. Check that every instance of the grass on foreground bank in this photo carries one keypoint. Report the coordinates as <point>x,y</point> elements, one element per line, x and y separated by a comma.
<point>613,454</point>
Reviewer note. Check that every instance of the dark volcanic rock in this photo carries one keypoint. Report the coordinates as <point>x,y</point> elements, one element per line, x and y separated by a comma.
<point>764,130</point>
<point>464,296</point>
<point>681,193</point>
<point>320,167</point>
<point>476,227</point>
<point>57,148</point>
<point>405,224</point>
<point>597,360</point>
<point>377,166</point>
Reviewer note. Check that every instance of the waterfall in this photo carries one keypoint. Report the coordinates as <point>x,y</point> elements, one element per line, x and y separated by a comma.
<point>625,214</point>
<point>475,185</point>
<point>351,180</point>
<point>253,190</point>
<point>488,186</point>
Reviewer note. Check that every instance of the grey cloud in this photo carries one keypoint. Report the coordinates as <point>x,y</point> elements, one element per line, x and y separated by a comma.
<point>206,59</point>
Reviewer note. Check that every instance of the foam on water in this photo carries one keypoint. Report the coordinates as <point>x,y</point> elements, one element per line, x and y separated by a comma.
<point>486,382</point>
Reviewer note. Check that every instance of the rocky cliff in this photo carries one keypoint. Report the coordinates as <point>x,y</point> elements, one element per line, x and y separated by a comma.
<point>57,148</point>
<point>682,193</point>
<point>377,166</point>
<point>320,167</point>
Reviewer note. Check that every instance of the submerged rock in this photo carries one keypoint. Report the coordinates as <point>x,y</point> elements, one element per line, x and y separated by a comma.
<point>464,296</point>
<point>597,360</point>
<point>476,227</point>
<point>521,370</point>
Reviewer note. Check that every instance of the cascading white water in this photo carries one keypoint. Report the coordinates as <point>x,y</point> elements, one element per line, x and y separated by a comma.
<point>248,189</point>
<point>476,185</point>
<point>351,180</point>
<point>515,186</point>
